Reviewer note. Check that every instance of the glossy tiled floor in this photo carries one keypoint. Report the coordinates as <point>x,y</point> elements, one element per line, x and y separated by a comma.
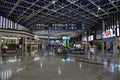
<point>40,67</point>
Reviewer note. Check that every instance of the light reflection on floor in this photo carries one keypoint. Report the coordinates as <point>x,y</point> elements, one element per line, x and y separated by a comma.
<point>110,66</point>
<point>54,68</point>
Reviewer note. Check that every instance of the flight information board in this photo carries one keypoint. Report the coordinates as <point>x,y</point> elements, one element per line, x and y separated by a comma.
<point>57,27</point>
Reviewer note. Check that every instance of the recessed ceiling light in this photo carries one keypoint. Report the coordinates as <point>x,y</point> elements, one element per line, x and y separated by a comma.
<point>111,1</point>
<point>53,1</point>
<point>99,8</point>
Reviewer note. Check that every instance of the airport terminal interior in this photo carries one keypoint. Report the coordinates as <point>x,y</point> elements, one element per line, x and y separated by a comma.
<point>59,39</point>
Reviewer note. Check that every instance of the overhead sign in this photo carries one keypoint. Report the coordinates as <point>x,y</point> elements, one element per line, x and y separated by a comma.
<point>83,26</point>
<point>56,27</point>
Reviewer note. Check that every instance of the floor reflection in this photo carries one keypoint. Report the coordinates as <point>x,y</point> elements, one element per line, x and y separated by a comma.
<point>3,58</point>
<point>11,64</point>
<point>7,73</point>
<point>110,66</point>
<point>10,59</point>
<point>50,67</point>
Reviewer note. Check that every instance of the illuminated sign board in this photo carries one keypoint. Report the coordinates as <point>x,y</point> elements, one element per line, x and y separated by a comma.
<point>63,25</point>
<point>66,38</point>
<point>56,27</point>
<point>112,32</point>
<point>109,33</point>
<point>52,42</point>
<point>90,38</point>
<point>118,31</point>
<point>83,26</point>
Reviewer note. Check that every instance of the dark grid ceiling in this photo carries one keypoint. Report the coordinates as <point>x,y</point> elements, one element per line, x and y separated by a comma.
<point>32,12</point>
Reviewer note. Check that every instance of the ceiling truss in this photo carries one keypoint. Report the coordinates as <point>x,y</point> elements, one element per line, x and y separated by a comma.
<point>32,12</point>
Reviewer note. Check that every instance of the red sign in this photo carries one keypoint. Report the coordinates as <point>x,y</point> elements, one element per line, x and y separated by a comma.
<point>107,33</point>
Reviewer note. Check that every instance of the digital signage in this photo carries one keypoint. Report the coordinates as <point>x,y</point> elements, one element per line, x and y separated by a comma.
<point>112,32</point>
<point>56,27</point>
<point>109,33</point>
<point>103,34</point>
<point>118,31</point>
<point>66,38</point>
<point>90,38</point>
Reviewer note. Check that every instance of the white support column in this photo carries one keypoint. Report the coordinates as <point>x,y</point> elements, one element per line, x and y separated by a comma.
<point>48,41</point>
<point>0,43</point>
<point>25,44</point>
<point>30,45</point>
<point>114,49</point>
<point>103,28</point>
<point>87,43</point>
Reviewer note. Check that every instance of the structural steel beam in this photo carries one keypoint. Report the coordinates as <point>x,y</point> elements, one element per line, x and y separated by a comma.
<point>98,6</point>
<point>14,7</point>
<point>19,18</point>
<point>114,5</point>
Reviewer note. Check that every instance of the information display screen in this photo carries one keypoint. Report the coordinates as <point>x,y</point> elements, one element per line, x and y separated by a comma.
<point>56,27</point>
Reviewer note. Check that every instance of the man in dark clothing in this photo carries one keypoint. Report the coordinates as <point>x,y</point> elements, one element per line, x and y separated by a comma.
<point>17,48</point>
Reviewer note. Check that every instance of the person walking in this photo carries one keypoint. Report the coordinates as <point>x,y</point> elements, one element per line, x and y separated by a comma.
<point>18,48</point>
<point>4,49</point>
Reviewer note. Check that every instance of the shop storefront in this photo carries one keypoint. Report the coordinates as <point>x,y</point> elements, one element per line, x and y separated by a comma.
<point>10,42</point>
<point>11,38</point>
<point>108,37</point>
